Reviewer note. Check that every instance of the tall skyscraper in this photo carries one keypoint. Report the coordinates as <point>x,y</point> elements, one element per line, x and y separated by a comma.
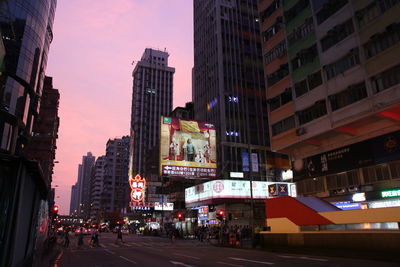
<point>84,176</point>
<point>115,190</point>
<point>228,81</point>
<point>73,208</point>
<point>151,99</point>
<point>333,75</point>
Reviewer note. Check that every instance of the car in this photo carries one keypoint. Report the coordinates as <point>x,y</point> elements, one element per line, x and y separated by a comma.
<point>125,231</point>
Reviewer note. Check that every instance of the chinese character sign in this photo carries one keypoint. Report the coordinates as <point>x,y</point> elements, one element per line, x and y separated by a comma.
<point>138,185</point>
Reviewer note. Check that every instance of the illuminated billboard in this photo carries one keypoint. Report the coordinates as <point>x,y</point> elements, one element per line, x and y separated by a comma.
<point>187,148</point>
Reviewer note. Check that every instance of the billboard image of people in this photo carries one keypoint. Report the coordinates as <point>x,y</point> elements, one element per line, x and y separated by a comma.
<point>187,148</point>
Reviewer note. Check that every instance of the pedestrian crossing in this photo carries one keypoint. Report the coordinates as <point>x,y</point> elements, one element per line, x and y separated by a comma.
<point>141,244</point>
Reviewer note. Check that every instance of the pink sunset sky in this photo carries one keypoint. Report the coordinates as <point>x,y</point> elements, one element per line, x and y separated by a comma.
<point>90,60</point>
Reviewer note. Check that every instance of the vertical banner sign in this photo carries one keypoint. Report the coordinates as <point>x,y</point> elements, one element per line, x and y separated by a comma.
<point>138,185</point>
<point>245,162</point>
<point>254,162</point>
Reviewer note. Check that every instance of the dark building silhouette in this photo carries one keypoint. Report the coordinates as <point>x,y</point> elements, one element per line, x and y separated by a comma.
<point>228,81</point>
<point>26,31</point>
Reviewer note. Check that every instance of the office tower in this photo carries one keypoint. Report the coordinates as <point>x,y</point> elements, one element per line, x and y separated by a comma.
<point>151,99</point>
<point>115,186</point>
<point>96,187</point>
<point>228,82</point>
<point>42,146</point>
<point>73,207</point>
<point>84,176</point>
<point>334,107</point>
<point>26,33</point>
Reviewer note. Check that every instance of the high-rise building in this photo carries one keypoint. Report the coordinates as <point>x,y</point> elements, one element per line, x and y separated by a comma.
<point>333,74</point>
<point>42,146</point>
<point>73,208</point>
<point>96,186</point>
<point>84,176</point>
<point>115,189</point>
<point>26,33</point>
<point>151,99</point>
<point>228,82</point>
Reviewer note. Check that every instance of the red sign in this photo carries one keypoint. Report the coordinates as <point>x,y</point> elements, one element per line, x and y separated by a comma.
<point>138,185</point>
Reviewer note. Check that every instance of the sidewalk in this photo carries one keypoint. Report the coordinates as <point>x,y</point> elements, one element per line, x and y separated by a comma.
<point>50,255</point>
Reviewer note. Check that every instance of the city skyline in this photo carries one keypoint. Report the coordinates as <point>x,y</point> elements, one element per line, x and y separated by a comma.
<point>97,69</point>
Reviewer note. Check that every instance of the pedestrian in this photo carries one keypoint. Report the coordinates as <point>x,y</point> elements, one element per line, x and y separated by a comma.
<point>80,238</point>
<point>66,238</point>
<point>119,235</point>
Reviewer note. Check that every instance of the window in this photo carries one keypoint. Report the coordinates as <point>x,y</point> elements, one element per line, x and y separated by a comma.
<point>281,99</point>
<point>270,10</point>
<point>386,79</point>
<point>283,125</point>
<point>304,56</point>
<point>277,75</point>
<point>381,42</point>
<point>276,52</point>
<point>295,10</point>
<point>302,31</point>
<point>310,186</point>
<point>395,169</point>
<point>312,81</point>
<point>301,88</point>
<point>313,112</point>
<point>348,96</point>
<point>343,64</point>
<point>341,180</point>
<point>337,34</point>
<point>374,10</point>
<point>274,29</point>
<point>376,173</point>
<point>330,8</point>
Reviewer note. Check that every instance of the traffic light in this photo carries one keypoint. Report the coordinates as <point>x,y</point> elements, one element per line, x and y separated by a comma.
<point>124,220</point>
<point>180,216</point>
<point>54,212</point>
<point>220,215</point>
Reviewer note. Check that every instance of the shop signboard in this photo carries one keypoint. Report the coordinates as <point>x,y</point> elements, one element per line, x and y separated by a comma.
<point>254,162</point>
<point>245,162</point>
<point>164,206</point>
<point>390,193</point>
<point>138,186</point>
<point>373,151</point>
<point>347,205</point>
<point>218,189</point>
<point>187,148</point>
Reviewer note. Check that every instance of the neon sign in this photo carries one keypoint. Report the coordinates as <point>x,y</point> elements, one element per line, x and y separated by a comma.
<point>138,185</point>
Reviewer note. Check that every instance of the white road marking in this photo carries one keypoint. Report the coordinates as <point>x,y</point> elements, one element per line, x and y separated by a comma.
<point>180,263</point>
<point>312,259</point>
<point>301,257</point>
<point>109,251</point>
<point>261,262</point>
<point>187,256</point>
<point>230,264</point>
<point>131,261</point>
